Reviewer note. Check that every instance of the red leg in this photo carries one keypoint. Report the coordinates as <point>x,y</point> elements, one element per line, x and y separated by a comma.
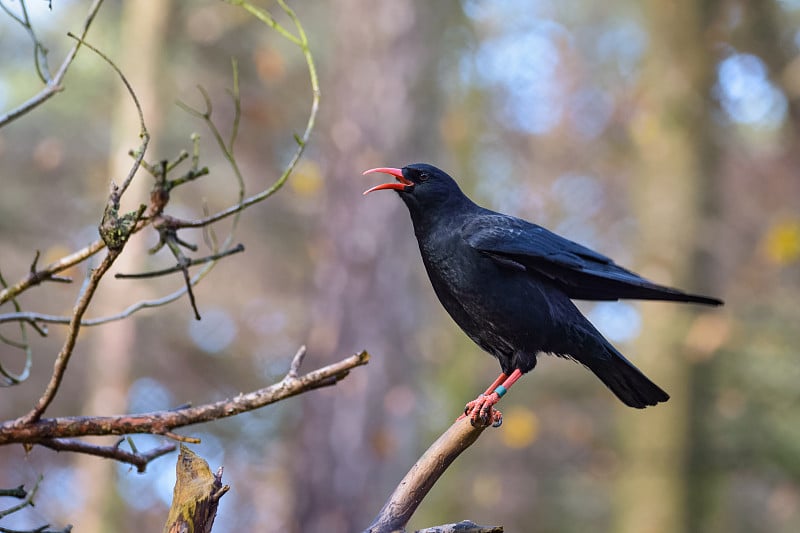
<point>471,406</point>
<point>481,411</point>
<point>500,379</point>
<point>515,375</point>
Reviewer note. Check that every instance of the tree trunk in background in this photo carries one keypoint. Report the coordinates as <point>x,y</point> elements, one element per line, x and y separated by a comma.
<point>671,197</point>
<point>111,347</point>
<point>356,439</point>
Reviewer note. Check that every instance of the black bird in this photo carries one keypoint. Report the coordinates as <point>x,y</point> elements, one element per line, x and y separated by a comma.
<point>509,285</point>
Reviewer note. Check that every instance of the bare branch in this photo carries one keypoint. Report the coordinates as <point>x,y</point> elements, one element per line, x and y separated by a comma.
<point>138,459</point>
<point>181,438</point>
<point>297,360</point>
<point>47,273</point>
<point>405,499</point>
<point>28,500</point>
<point>39,50</point>
<point>72,335</point>
<point>28,431</point>
<point>40,529</point>
<point>9,378</point>
<point>35,262</point>
<point>237,109</point>
<point>302,42</point>
<point>41,318</point>
<point>16,492</point>
<point>143,133</point>
<point>54,85</point>
<point>227,149</point>
<point>191,262</point>
<point>36,320</point>
<point>115,231</point>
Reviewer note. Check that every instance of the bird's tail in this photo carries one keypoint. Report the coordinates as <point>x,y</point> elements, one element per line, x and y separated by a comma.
<point>626,381</point>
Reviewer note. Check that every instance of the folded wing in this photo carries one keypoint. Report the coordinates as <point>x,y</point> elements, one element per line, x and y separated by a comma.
<point>580,272</point>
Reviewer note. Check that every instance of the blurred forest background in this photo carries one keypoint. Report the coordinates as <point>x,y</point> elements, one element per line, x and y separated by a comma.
<point>663,134</point>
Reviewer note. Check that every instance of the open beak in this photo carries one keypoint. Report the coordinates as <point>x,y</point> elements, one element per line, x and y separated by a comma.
<point>402,183</point>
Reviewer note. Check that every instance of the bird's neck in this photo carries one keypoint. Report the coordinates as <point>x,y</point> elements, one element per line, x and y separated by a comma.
<point>443,216</point>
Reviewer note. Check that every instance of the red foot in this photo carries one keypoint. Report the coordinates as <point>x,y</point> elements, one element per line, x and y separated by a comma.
<point>481,412</point>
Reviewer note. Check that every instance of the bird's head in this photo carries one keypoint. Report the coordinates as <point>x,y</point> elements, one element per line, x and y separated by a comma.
<point>420,185</point>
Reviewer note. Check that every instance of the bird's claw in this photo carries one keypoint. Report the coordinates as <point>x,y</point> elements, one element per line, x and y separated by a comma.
<point>482,413</point>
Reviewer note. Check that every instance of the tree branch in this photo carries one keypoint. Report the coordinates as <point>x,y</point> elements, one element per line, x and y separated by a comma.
<point>27,500</point>
<point>35,277</point>
<point>25,430</point>
<point>190,262</point>
<point>301,41</point>
<point>405,499</point>
<point>53,86</point>
<point>48,273</point>
<point>64,355</point>
<point>16,492</point>
<point>143,133</point>
<point>138,459</point>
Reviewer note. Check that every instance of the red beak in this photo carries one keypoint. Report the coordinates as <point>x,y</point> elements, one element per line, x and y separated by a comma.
<point>396,172</point>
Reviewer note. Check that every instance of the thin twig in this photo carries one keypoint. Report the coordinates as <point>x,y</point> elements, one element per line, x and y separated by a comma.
<point>181,438</point>
<point>302,141</point>
<point>23,504</point>
<point>35,318</point>
<point>39,50</point>
<point>191,262</point>
<point>130,310</point>
<point>9,377</point>
<point>297,360</point>
<point>40,529</point>
<point>267,18</point>
<point>138,459</point>
<point>17,492</point>
<point>47,273</point>
<point>143,133</point>
<point>81,255</point>
<point>237,105</point>
<point>54,85</point>
<point>227,149</point>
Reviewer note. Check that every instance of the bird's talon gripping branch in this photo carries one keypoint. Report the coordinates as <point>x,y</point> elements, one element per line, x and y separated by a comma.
<point>481,411</point>
<point>471,405</point>
<point>497,419</point>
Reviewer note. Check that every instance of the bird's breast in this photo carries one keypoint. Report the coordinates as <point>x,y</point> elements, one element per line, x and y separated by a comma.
<point>498,308</point>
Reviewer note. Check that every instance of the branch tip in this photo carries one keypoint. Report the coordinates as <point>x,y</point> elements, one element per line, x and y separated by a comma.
<point>297,360</point>
<point>181,438</point>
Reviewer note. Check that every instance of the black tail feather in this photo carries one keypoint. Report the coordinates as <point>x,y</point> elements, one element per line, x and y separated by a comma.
<point>626,381</point>
<point>611,291</point>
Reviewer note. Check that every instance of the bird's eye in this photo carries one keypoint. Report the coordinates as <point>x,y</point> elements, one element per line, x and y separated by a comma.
<point>423,176</point>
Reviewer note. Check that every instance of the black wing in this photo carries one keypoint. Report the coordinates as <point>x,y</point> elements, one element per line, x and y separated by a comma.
<point>580,272</point>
